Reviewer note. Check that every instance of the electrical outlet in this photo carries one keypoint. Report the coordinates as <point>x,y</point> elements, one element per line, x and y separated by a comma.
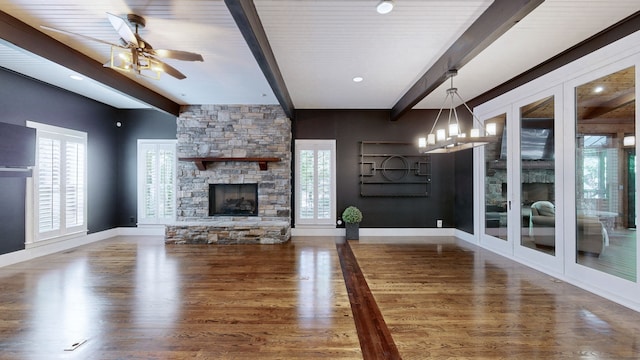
<point>439,223</point>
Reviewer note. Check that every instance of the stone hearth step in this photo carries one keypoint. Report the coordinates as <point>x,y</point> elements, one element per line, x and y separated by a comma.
<point>228,232</point>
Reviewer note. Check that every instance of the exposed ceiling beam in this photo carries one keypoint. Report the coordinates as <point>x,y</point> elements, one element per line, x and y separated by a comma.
<point>499,17</point>
<point>30,39</point>
<point>246,16</point>
<point>624,99</point>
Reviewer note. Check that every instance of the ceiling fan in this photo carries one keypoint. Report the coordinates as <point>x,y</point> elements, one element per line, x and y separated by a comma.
<point>134,53</point>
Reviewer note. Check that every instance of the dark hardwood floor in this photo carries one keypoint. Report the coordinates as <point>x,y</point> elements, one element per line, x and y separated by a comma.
<point>135,298</point>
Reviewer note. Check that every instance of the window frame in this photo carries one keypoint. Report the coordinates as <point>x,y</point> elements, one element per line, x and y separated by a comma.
<point>315,145</point>
<point>141,172</point>
<point>33,235</point>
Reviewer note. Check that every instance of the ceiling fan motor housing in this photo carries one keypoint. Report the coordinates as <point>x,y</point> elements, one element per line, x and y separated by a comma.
<point>136,20</point>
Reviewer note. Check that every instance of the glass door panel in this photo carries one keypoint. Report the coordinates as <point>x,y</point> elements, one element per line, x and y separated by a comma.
<point>605,143</point>
<point>496,181</point>
<point>537,176</point>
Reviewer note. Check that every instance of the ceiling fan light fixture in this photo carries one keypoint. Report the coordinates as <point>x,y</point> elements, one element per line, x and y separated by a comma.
<point>385,6</point>
<point>122,60</point>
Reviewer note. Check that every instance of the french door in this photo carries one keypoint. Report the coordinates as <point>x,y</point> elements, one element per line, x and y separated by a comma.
<point>558,191</point>
<point>520,180</point>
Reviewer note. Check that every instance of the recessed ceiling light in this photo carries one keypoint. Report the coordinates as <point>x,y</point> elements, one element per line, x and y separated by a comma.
<point>358,79</point>
<point>598,89</point>
<point>75,77</point>
<point>384,6</point>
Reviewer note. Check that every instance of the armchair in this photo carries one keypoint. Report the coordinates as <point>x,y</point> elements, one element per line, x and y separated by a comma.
<point>590,231</point>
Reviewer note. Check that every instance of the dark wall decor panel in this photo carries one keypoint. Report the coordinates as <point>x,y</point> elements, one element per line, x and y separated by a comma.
<point>393,169</point>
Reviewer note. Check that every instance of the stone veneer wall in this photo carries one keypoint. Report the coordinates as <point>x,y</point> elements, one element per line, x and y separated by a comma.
<point>234,131</point>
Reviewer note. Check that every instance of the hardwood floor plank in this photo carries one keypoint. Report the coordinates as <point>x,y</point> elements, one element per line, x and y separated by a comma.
<point>133,298</point>
<point>458,301</point>
<point>375,339</point>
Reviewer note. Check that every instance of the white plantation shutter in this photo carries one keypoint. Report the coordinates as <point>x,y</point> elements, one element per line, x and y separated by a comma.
<point>166,183</point>
<point>49,183</point>
<point>74,183</point>
<point>156,181</point>
<point>150,191</point>
<point>306,189</point>
<point>59,186</point>
<point>315,183</point>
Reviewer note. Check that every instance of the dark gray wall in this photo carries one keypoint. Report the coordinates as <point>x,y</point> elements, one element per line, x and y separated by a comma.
<point>348,128</point>
<point>137,124</point>
<point>23,99</point>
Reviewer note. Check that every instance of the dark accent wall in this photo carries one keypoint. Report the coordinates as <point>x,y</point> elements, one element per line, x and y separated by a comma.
<point>348,128</point>
<point>464,191</point>
<point>136,124</point>
<point>23,99</point>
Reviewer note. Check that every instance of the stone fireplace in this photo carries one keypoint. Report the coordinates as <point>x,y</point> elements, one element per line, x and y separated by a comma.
<point>245,149</point>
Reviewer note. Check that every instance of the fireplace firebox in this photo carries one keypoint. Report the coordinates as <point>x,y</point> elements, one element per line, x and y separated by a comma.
<point>233,199</point>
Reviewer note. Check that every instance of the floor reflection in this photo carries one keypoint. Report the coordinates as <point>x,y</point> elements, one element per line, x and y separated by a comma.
<point>315,289</point>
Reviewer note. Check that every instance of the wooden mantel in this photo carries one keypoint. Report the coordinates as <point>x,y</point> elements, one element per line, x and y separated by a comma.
<point>201,162</point>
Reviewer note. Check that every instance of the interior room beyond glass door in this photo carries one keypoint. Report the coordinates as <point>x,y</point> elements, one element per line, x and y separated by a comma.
<point>495,182</point>
<point>605,174</point>
<point>537,176</point>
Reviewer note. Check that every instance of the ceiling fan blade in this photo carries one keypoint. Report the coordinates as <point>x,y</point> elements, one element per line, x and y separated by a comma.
<point>170,70</point>
<point>123,29</point>
<point>79,35</point>
<point>177,55</point>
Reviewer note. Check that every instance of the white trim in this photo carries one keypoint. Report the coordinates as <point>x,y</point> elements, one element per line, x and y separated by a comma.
<point>386,232</point>
<point>618,55</point>
<point>157,144</point>
<point>316,145</point>
<point>52,248</point>
<point>32,234</point>
<point>142,230</point>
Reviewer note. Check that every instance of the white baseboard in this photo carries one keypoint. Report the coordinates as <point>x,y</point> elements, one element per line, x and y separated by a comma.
<point>463,235</point>
<point>142,230</point>
<point>52,248</point>
<point>376,232</point>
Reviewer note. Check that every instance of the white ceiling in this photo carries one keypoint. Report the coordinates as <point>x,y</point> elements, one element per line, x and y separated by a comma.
<point>320,45</point>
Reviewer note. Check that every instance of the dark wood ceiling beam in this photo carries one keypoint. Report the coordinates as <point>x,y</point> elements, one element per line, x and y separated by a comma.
<point>624,99</point>
<point>34,41</point>
<point>499,17</point>
<point>246,17</point>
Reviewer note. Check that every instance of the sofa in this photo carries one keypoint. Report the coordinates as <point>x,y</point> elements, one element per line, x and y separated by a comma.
<point>590,232</point>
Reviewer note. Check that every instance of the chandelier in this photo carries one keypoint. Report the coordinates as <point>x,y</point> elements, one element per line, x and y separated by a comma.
<point>456,139</point>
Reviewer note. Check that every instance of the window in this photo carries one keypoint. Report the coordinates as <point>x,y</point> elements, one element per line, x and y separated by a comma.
<point>156,181</point>
<point>59,188</point>
<point>315,182</point>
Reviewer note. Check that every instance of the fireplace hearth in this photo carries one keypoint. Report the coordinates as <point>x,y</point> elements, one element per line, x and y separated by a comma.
<point>233,199</point>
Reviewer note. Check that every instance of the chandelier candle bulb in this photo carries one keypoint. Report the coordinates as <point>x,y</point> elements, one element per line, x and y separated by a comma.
<point>422,142</point>
<point>453,129</point>
<point>475,132</point>
<point>431,139</point>
<point>491,129</point>
<point>441,135</point>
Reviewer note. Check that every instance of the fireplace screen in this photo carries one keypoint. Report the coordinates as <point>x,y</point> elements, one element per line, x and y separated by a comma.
<point>233,199</point>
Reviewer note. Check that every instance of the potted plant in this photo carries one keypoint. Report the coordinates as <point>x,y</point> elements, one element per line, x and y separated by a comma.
<point>352,217</point>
